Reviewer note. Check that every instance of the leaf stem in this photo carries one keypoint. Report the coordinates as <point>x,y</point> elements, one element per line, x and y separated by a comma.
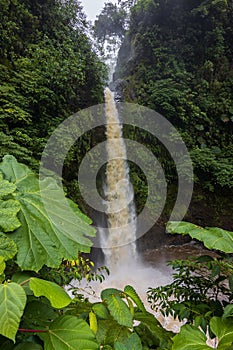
<point>25,282</point>
<point>32,330</point>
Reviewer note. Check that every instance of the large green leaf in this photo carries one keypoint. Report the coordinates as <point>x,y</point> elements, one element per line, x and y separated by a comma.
<point>212,237</point>
<point>56,294</point>
<point>119,310</point>
<point>9,208</point>
<point>189,338</point>
<point>6,187</point>
<point>8,248</point>
<point>223,329</point>
<point>69,333</point>
<point>12,304</point>
<point>130,291</point>
<point>40,240</point>
<point>8,215</point>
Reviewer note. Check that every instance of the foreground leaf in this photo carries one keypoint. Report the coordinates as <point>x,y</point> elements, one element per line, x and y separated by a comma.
<point>6,187</point>
<point>12,304</point>
<point>8,248</point>
<point>212,237</point>
<point>119,310</point>
<point>100,310</point>
<point>9,208</point>
<point>8,215</point>
<point>69,333</point>
<point>190,338</point>
<point>130,291</point>
<point>41,240</point>
<point>223,329</point>
<point>53,292</point>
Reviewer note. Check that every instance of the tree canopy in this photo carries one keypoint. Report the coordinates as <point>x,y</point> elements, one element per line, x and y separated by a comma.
<point>49,70</point>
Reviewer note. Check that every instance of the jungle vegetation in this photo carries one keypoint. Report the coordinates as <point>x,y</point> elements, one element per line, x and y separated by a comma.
<point>177,59</point>
<point>49,70</point>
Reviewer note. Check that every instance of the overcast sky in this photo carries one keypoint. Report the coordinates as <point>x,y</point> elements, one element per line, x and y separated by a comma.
<point>93,7</point>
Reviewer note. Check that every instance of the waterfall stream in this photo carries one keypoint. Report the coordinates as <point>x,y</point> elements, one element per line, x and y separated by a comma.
<point>120,241</point>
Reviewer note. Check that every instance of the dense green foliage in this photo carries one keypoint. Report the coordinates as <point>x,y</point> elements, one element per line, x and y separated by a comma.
<point>110,22</point>
<point>38,313</point>
<point>201,293</point>
<point>48,71</point>
<point>177,59</point>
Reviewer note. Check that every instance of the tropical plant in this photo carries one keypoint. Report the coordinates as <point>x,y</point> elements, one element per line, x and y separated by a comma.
<point>201,293</point>
<point>36,312</point>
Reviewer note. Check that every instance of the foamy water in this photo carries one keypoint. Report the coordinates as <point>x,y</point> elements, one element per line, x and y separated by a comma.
<point>120,241</point>
<point>140,277</point>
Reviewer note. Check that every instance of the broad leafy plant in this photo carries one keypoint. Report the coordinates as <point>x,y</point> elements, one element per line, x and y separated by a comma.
<point>201,292</point>
<point>37,313</point>
<point>39,241</point>
<point>28,235</point>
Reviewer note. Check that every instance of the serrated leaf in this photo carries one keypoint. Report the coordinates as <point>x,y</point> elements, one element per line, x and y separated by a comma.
<point>189,338</point>
<point>8,248</point>
<point>2,265</point>
<point>212,237</point>
<point>130,291</point>
<point>100,310</point>
<point>12,304</point>
<point>8,215</point>
<point>40,239</point>
<point>53,292</point>
<point>119,310</point>
<point>6,187</point>
<point>223,329</point>
<point>69,333</point>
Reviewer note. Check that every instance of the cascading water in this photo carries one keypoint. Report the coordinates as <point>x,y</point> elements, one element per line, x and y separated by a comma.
<point>120,246</point>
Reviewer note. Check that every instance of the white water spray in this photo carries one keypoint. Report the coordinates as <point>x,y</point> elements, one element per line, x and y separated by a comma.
<point>120,246</point>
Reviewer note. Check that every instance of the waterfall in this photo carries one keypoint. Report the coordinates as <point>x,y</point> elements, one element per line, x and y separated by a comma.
<point>119,243</point>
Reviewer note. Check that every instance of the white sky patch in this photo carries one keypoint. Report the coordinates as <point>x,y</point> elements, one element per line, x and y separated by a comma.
<point>92,8</point>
